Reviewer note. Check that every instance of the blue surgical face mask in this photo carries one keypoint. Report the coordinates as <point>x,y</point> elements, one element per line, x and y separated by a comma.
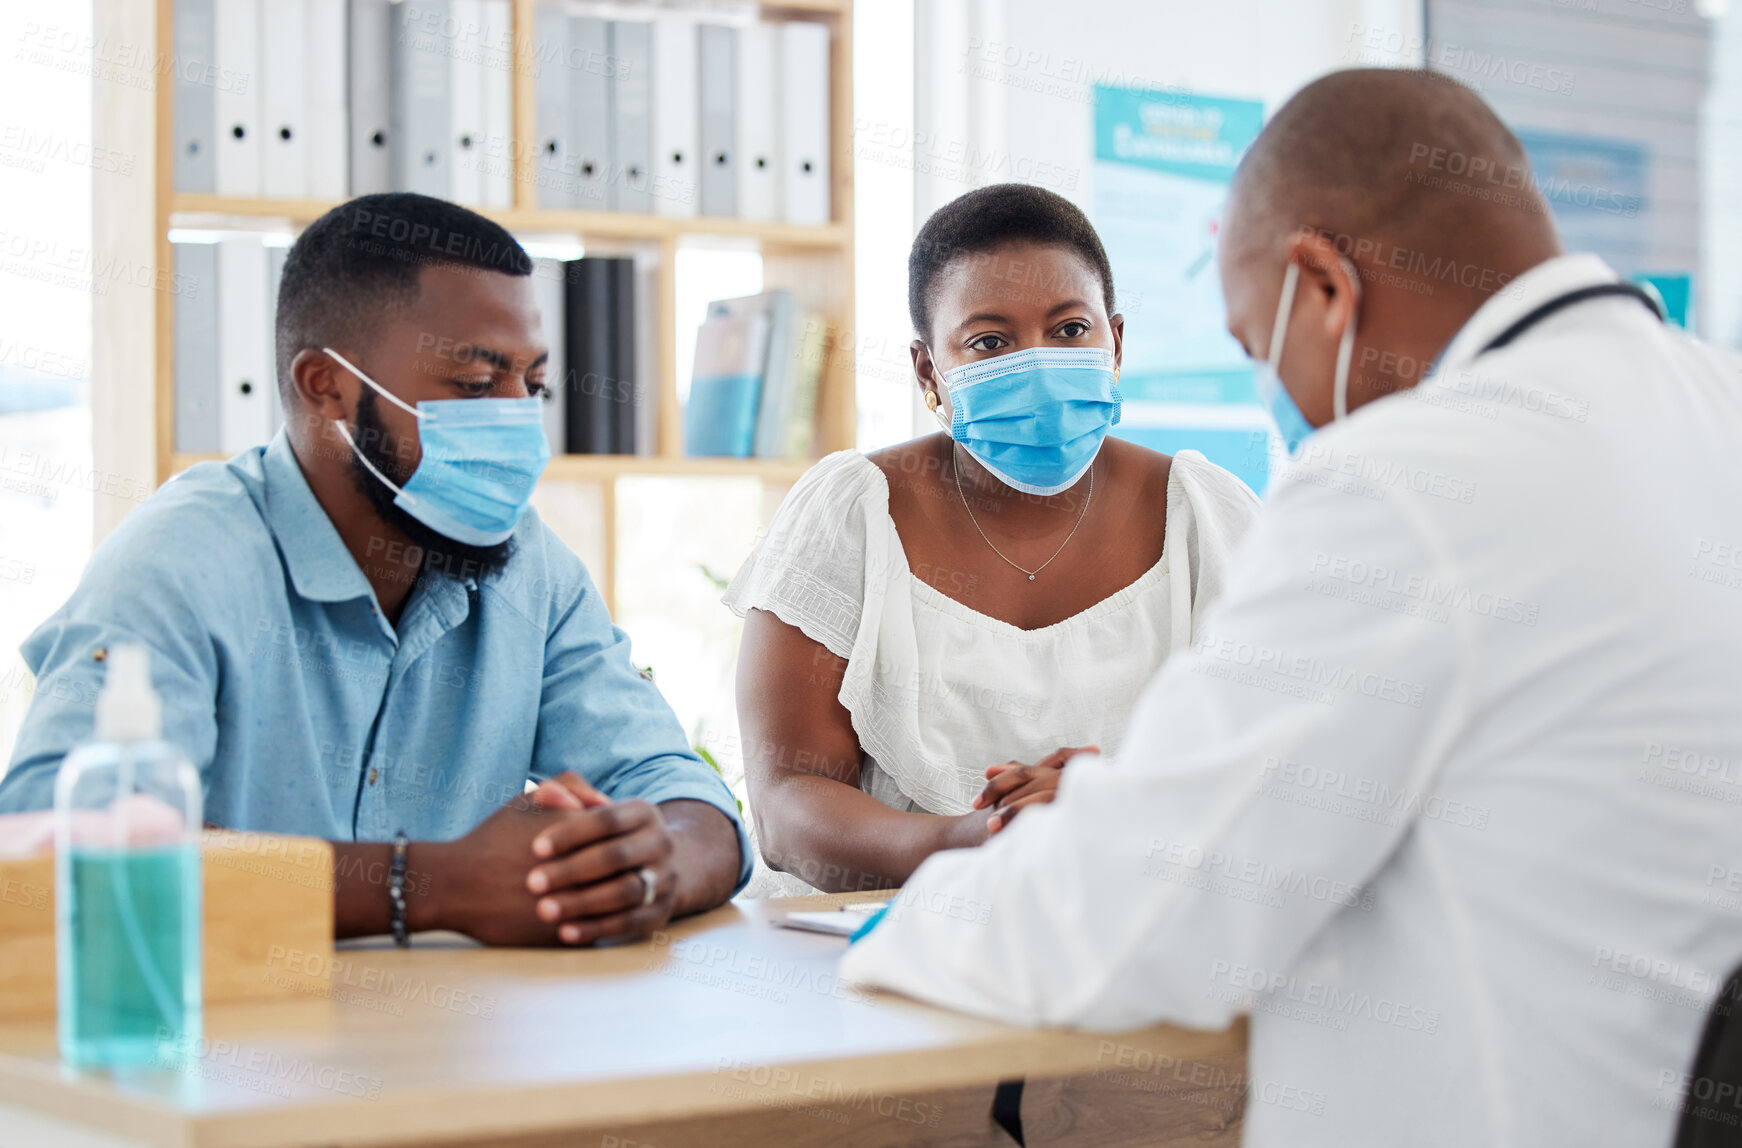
<point>1291,425</point>
<point>481,459</point>
<point>1035,418</point>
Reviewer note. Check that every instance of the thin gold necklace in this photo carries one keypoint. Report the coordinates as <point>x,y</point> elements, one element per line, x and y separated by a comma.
<point>957,471</point>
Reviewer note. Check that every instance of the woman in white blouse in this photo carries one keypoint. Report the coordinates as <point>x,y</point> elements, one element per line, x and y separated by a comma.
<point>933,630</point>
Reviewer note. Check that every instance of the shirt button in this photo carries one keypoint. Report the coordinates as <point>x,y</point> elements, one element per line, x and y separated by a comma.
<point>373,774</point>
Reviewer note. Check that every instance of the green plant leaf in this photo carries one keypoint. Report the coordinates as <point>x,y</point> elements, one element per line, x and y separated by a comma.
<point>709,758</point>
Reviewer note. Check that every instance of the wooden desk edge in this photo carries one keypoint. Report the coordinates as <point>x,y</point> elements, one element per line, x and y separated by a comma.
<point>620,1105</point>
<point>411,1116</point>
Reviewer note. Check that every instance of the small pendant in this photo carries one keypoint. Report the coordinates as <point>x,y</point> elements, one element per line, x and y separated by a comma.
<point>1031,577</point>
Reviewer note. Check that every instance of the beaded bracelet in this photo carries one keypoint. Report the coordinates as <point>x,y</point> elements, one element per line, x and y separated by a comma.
<point>396,889</point>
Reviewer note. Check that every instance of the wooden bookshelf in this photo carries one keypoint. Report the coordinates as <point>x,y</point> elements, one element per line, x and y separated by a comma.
<point>814,262</point>
<point>597,224</point>
<point>842,6</point>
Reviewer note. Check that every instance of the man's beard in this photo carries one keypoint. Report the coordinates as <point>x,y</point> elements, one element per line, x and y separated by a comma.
<point>457,560</point>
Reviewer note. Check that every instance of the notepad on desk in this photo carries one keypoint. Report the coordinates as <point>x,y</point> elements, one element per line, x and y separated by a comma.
<point>842,922</point>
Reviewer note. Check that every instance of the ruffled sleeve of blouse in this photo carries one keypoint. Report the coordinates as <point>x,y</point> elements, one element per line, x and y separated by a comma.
<point>1214,508</point>
<point>816,567</point>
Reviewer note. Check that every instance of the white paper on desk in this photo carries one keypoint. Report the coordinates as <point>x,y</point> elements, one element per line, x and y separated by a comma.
<point>834,922</point>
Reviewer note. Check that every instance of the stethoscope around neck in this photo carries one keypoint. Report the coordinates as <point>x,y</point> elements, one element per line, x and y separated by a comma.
<point>1560,303</point>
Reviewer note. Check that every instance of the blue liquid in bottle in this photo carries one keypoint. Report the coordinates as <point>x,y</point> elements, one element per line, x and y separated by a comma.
<point>130,972</point>
<point>128,893</point>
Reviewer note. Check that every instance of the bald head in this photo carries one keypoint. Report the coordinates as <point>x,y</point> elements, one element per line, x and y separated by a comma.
<point>1403,203</point>
<point>1409,157</point>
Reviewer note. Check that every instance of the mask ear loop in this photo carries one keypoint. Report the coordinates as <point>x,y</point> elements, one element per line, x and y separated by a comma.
<point>1284,308</point>
<point>345,431</point>
<point>1346,348</point>
<point>379,389</point>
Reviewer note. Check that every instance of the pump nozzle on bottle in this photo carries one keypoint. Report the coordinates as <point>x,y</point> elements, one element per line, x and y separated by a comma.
<point>128,708</point>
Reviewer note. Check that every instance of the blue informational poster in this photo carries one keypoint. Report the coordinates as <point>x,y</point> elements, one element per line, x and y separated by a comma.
<point>1163,163</point>
<point>1596,188</point>
<point>1243,451</point>
<point>1674,291</point>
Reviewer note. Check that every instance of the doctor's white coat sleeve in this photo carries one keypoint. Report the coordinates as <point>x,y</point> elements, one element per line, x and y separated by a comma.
<point>1197,850</point>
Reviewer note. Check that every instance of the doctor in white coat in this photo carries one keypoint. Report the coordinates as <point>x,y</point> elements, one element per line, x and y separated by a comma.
<point>1448,795</point>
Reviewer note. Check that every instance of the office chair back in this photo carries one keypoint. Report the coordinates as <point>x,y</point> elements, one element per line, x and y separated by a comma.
<point>1712,1107</point>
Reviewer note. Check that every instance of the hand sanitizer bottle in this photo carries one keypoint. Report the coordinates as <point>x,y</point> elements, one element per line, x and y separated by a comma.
<point>127,883</point>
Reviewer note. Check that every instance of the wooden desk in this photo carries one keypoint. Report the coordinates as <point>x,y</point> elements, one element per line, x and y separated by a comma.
<point>723,1030</point>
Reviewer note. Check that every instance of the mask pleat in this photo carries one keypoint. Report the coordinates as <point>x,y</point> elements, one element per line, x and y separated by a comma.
<point>1037,417</point>
<point>480,464</point>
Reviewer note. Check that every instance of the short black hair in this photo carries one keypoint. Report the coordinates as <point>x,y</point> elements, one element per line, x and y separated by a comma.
<point>987,218</point>
<point>362,259</point>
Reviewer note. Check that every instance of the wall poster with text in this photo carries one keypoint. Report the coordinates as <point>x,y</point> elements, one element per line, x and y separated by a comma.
<point>1163,163</point>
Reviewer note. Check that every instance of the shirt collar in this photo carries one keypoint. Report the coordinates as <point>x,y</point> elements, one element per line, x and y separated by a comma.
<point>1545,281</point>
<point>320,564</point>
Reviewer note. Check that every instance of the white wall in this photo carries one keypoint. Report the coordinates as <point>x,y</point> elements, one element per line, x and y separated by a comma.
<point>48,289</point>
<point>883,224</point>
<point>1719,297</point>
<point>1013,80</point>
<point>1004,89</point>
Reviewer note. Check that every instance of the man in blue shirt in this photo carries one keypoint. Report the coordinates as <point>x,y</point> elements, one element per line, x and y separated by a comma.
<point>359,631</point>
